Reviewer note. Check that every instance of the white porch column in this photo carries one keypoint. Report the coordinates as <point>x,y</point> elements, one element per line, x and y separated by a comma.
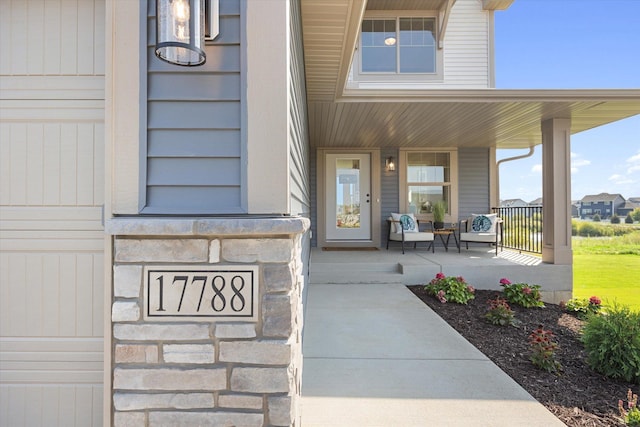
<point>556,191</point>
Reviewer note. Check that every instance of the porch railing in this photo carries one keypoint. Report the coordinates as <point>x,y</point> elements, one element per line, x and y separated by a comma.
<point>522,228</point>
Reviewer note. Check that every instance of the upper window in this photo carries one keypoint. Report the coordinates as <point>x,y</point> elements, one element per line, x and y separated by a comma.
<point>399,45</point>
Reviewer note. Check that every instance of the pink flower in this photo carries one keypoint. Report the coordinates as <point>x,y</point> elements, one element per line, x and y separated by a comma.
<point>440,276</point>
<point>594,300</point>
<point>526,290</point>
<point>441,296</point>
<point>460,279</point>
<point>505,281</point>
<point>470,288</point>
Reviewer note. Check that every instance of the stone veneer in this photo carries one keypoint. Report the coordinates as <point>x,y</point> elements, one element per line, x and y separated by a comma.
<point>217,373</point>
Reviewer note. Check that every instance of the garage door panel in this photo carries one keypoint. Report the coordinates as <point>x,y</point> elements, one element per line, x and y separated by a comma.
<point>52,294</point>
<point>51,406</point>
<point>52,164</point>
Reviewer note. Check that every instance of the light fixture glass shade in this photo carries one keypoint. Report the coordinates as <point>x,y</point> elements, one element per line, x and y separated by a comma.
<point>180,31</point>
<point>390,164</point>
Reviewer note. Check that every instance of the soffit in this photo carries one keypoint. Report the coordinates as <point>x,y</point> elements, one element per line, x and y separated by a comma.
<point>500,118</point>
<point>405,4</point>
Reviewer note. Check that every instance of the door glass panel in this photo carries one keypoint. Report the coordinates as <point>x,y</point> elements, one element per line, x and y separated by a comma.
<point>348,193</point>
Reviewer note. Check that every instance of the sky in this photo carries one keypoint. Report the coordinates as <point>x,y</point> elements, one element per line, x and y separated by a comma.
<point>573,44</point>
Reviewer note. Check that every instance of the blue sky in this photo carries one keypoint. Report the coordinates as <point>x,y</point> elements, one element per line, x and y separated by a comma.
<point>573,44</point>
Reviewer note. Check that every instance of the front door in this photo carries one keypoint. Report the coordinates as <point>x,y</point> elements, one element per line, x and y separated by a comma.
<point>348,196</point>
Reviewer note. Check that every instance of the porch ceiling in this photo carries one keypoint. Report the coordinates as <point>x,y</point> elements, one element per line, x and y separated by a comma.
<point>437,118</point>
<point>481,118</point>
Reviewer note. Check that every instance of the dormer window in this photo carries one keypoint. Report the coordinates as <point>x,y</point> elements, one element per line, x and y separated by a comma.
<point>399,45</point>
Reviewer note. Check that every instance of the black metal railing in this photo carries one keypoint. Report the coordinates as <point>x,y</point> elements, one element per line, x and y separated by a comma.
<point>522,228</point>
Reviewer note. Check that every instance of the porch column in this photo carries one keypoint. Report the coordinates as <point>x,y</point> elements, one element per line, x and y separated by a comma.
<point>556,191</point>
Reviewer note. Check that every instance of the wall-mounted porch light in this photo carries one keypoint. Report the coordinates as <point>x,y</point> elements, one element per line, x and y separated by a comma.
<point>180,30</point>
<point>390,164</point>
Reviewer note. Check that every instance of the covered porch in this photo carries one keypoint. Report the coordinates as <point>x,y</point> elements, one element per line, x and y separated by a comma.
<point>480,266</point>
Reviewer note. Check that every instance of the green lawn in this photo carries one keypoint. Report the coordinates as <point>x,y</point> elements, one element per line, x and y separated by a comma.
<point>611,277</point>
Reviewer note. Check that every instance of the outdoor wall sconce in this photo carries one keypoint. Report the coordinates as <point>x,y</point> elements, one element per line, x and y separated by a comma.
<point>181,29</point>
<point>390,164</point>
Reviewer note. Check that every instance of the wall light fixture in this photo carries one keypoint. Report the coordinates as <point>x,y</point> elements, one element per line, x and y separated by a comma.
<point>390,164</point>
<point>180,30</point>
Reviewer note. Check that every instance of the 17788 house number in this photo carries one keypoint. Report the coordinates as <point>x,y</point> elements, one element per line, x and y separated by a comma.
<point>200,293</point>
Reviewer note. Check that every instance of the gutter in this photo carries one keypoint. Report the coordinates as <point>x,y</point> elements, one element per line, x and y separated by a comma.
<point>509,159</point>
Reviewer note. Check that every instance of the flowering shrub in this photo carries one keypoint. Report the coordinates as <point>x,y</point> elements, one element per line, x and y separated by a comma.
<point>583,307</point>
<point>612,342</point>
<point>453,289</point>
<point>631,415</point>
<point>499,313</point>
<point>522,294</point>
<point>543,349</point>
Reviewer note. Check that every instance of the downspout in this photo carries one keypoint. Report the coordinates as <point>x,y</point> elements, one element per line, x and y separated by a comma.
<point>508,159</point>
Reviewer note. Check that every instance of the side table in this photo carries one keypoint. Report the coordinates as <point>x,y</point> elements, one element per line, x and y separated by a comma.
<point>447,232</point>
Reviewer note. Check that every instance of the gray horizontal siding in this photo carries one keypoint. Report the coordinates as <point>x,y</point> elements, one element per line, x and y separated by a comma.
<point>389,188</point>
<point>192,200</point>
<point>473,181</point>
<point>298,124</point>
<point>194,144</point>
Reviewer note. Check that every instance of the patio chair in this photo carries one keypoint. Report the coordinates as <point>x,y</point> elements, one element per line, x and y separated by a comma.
<point>485,228</point>
<point>406,228</point>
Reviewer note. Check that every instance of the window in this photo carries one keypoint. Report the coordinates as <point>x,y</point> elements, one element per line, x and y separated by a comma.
<point>398,45</point>
<point>429,177</point>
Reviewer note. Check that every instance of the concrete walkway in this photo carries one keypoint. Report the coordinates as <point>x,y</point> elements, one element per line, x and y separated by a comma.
<point>375,355</point>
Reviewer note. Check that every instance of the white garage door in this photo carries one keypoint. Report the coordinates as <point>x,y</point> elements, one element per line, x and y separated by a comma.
<point>51,192</point>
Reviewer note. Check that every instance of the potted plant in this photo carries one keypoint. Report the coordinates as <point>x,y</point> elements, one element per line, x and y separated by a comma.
<point>438,210</point>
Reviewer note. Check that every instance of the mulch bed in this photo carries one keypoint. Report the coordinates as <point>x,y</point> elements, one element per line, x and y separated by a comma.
<point>578,396</point>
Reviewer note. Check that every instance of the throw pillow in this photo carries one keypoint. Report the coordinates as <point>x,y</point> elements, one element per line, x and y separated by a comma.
<point>483,223</point>
<point>406,222</point>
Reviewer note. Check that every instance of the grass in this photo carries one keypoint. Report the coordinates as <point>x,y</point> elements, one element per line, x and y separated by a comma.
<point>608,267</point>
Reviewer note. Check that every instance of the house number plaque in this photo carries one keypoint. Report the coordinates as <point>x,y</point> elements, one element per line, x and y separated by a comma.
<point>200,293</point>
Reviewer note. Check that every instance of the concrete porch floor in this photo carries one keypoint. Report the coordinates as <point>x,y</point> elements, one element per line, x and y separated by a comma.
<point>375,355</point>
<point>479,265</point>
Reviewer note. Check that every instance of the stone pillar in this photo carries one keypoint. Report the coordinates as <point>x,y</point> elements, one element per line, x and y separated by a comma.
<point>205,371</point>
<point>556,191</point>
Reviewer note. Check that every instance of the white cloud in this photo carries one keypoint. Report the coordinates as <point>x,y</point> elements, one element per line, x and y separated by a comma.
<point>634,163</point>
<point>537,168</point>
<point>577,162</point>
<point>615,177</point>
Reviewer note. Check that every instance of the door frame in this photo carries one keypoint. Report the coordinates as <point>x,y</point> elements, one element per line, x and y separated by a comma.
<point>375,170</point>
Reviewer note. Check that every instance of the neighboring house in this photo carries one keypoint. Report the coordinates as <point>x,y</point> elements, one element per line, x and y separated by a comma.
<point>513,203</point>
<point>603,204</point>
<point>128,182</point>
<point>575,209</point>
<point>628,207</point>
<point>537,202</point>
<point>508,208</point>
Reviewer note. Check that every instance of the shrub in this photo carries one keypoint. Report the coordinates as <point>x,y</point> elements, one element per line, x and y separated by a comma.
<point>499,313</point>
<point>615,219</point>
<point>635,214</point>
<point>543,350</point>
<point>587,229</point>
<point>453,289</point>
<point>612,342</point>
<point>632,416</point>
<point>582,307</point>
<point>628,219</point>
<point>523,294</point>
<point>596,218</point>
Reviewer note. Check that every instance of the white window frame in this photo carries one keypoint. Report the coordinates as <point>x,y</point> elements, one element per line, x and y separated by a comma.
<point>360,76</point>
<point>452,213</point>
